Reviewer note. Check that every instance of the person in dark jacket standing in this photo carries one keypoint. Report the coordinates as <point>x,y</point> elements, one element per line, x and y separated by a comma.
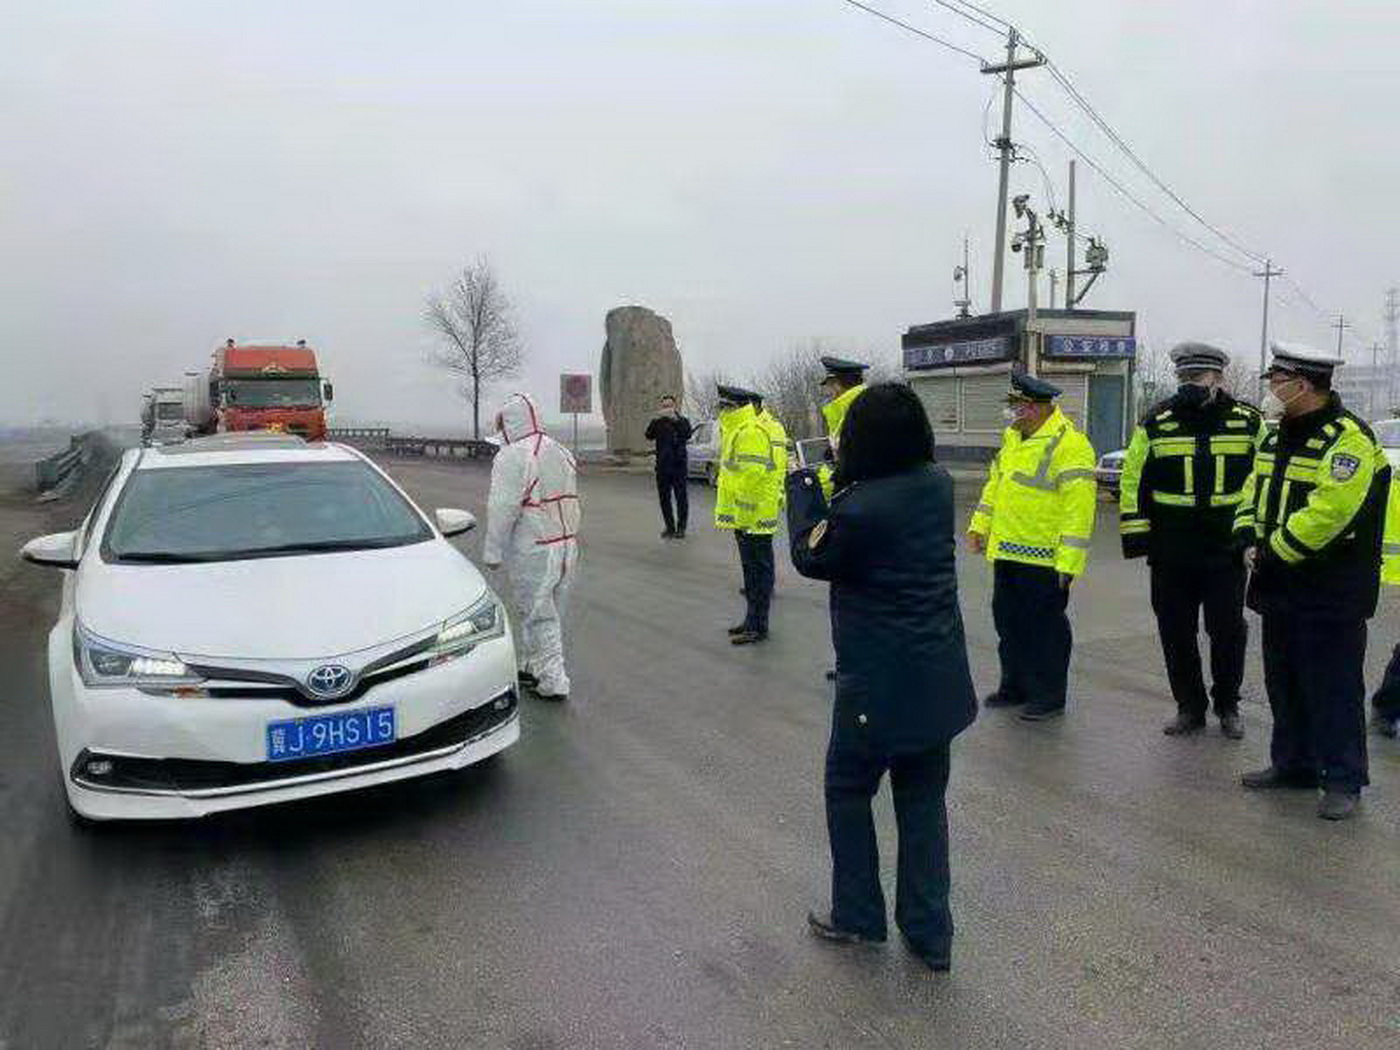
<point>1312,523</point>
<point>903,689</point>
<point>1183,478</point>
<point>671,431</point>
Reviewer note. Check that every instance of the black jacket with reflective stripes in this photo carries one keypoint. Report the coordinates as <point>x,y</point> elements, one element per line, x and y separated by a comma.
<point>1316,514</point>
<point>1184,476</point>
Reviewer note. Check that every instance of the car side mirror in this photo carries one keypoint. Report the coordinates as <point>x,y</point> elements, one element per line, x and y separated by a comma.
<point>453,522</point>
<point>327,391</point>
<point>57,550</point>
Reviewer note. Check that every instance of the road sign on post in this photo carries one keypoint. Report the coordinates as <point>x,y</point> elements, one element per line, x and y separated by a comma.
<point>575,396</point>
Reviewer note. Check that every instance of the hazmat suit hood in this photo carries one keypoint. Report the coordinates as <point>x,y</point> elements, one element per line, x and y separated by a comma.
<point>518,419</point>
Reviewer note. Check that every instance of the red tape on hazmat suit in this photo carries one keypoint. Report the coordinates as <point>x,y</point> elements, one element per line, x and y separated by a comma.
<point>532,525</point>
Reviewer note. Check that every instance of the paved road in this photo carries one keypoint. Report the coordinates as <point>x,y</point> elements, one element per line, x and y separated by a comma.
<point>636,871</point>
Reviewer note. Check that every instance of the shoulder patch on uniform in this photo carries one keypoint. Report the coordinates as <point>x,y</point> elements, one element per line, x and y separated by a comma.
<point>818,533</point>
<point>1344,466</point>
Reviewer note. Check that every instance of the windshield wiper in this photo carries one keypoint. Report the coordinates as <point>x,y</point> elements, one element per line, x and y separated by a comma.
<point>164,557</point>
<point>321,546</point>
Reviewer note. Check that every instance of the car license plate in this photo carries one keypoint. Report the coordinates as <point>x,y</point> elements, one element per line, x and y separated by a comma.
<point>328,734</point>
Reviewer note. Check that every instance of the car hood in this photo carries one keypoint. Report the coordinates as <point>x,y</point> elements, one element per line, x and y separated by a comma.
<point>303,607</point>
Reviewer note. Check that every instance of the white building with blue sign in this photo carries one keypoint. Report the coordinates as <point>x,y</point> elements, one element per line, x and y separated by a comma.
<point>960,369</point>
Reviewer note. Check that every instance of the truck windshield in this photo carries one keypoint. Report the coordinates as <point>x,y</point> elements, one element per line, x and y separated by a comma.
<point>257,510</point>
<point>167,412</point>
<point>272,393</point>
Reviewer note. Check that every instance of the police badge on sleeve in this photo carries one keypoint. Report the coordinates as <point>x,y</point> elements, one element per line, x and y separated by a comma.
<point>1344,467</point>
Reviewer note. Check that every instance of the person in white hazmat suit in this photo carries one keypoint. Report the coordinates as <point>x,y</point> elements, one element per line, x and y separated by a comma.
<point>532,525</point>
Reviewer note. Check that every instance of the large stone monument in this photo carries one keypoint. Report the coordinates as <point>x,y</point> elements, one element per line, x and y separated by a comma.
<point>640,364</point>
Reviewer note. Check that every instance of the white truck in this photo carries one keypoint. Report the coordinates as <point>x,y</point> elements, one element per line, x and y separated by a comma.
<point>163,416</point>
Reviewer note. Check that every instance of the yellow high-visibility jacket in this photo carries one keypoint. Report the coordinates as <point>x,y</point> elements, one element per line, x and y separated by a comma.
<point>1039,501</point>
<point>834,412</point>
<point>750,479</point>
<point>1390,547</point>
<point>1316,508</point>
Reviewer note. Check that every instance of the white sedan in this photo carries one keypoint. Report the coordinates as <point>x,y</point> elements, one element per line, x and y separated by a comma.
<point>250,619</point>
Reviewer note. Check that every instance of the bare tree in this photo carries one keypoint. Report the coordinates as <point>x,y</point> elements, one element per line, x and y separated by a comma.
<point>475,321</point>
<point>701,396</point>
<point>1153,375</point>
<point>1241,378</point>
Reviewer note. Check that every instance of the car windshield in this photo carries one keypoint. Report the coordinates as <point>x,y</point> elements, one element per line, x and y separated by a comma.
<point>272,393</point>
<point>1388,433</point>
<point>257,510</point>
<point>167,411</point>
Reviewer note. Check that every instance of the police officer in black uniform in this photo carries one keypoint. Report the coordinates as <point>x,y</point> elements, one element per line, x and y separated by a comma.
<point>1313,519</point>
<point>1183,479</point>
<point>903,689</point>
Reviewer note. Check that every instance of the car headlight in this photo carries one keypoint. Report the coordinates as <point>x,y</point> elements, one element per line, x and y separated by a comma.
<point>483,621</point>
<point>106,663</point>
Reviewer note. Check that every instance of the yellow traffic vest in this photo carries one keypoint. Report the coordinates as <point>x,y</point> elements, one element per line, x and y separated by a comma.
<point>750,480</point>
<point>834,412</point>
<point>1390,547</point>
<point>1039,501</point>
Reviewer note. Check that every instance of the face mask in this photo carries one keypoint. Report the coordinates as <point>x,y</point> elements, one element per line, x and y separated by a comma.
<point>1014,414</point>
<point>1276,404</point>
<point>1193,395</point>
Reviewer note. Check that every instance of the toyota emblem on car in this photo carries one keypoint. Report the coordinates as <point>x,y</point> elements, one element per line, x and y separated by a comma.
<point>330,681</point>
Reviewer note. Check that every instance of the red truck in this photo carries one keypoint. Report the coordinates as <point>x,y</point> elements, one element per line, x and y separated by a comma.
<point>260,388</point>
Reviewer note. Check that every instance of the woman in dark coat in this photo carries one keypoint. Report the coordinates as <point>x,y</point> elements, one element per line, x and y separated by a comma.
<point>903,689</point>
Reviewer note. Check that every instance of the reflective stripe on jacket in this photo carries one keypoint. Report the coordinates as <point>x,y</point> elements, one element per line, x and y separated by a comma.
<point>1039,501</point>
<point>1315,507</point>
<point>1390,546</point>
<point>750,481</point>
<point>1184,477</point>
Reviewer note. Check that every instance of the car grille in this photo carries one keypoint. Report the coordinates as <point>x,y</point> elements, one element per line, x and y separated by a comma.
<point>189,776</point>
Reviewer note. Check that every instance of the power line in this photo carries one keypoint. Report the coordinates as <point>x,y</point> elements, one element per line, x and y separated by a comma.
<point>970,17</point>
<point>916,31</point>
<point>1123,191</point>
<point>987,14</point>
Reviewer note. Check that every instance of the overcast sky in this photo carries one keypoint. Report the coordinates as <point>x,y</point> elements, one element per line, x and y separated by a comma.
<point>174,173</point>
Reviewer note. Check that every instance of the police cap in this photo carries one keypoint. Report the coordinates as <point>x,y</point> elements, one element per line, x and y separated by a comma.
<point>736,395</point>
<point>840,368</point>
<point>1199,357</point>
<point>1299,360</point>
<point>1031,388</point>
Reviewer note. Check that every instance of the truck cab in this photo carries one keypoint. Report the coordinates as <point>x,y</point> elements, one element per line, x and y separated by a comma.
<point>263,387</point>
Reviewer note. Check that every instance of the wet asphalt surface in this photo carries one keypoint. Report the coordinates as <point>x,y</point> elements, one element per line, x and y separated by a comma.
<point>635,872</point>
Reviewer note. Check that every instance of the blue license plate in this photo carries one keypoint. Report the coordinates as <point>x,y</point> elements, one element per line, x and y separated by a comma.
<point>328,734</point>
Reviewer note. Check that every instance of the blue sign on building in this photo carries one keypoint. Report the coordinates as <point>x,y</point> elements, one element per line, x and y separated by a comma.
<point>1091,346</point>
<point>966,352</point>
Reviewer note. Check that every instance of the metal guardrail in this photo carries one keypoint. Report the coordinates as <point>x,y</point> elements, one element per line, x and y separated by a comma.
<point>56,471</point>
<point>404,445</point>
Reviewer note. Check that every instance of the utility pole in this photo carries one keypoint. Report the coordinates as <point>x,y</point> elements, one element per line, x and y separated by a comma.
<point>1032,242</point>
<point>1004,147</point>
<point>963,273</point>
<point>1392,335</point>
<point>1054,285</point>
<point>1069,244</point>
<point>1341,325</point>
<point>1375,392</point>
<point>1268,273</point>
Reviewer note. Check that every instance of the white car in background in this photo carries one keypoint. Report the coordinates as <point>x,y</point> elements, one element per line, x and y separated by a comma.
<point>249,619</point>
<point>1387,432</point>
<point>702,452</point>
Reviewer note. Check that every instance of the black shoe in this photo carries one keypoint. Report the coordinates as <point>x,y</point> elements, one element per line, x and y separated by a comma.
<point>554,698</point>
<point>1184,724</point>
<point>831,675</point>
<point>1041,714</point>
<point>1337,805</point>
<point>669,534</point>
<point>738,628</point>
<point>528,680</point>
<point>1231,727</point>
<point>680,534</point>
<point>1272,779</point>
<point>1001,699</point>
<point>1385,725</point>
<point>749,638</point>
<point>939,960</point>
<point>823,927</point>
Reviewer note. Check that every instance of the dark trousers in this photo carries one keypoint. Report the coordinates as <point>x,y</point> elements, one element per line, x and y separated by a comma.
<point>1179,595</point>
<point>756,559</point>
<point>1313,670</point>
<point>918,782</point>
<point>669,485</point>
<point>1387,699</point>
<point>1028,607</point>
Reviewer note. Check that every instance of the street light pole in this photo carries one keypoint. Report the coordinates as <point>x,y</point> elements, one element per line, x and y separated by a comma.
<point>1268,273</point>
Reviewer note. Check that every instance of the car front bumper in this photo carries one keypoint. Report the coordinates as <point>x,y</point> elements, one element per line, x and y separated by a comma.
<point>174,757</point>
